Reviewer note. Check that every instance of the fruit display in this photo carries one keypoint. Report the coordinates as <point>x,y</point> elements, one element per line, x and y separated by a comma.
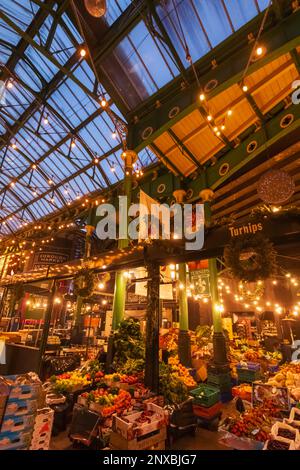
<point>275,444</point>
<point>110,401</point>
<point>203,335</point>
<point>69,382</point>
<point>93,371</point>
<point>255,423</point>
<point>169,341</point>
<point>181,372</point>
<point>288,376</point>
<point>244,391</point>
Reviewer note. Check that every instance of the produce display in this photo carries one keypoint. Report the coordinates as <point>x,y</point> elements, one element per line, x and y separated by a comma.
<point>255,423</point>
<point>70,382</point>
<point>275,444</point>
<point>110,400</point>
<point>181,372</point>
<point>130,348</point>
<point>171,386</point>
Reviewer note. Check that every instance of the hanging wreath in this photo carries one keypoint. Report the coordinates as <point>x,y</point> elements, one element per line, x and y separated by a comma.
<point>250,258</point>
<point>84,284</point>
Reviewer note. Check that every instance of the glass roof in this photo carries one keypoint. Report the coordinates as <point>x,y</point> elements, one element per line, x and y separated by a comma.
<point>52,126</point>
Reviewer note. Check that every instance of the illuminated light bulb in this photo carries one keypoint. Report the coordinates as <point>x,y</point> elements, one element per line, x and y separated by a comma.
<point>219,308</point>
<point>14,146</point>
<point>288,275</point>
<point>46,120</point>
<point>33,166</point>
<point>102,200</point>
<point>202,97</point>
<point>189,294</point>
<point>295,313</point>
<point>172,267</point>
<point>96,160</point>
<point>127,173</point>
<point>229,112</point>
<point>218,133</point>
<point>275,209</point>
<point>205,300</point>
<point>246,305</point>
<point>293,280</point>
<point>104,302</point>
<point>223,127</point>
<point>114,135</point>
<point>82,52</point>
<point>28,302</point>
<point>12,183</point>
<point>172,274</point>
<point>259,283</point>
<point>181,286</point>
<point>78,196</point>
<point>209,117</point>
<point>100,285</point>
<point>274,282</point>
<point>192,286</point>
<point>52,199</point>
<point>50,182</point>
<point>259,51</point>
<point>268,304</point>
<point>9,84</point>
<point>255,302</point>
<point>259,309</point>
<point>73,143</point>
<point>112,169</point>
<point>103,102</point>
<point>215,128</point>
<point>296,284</point>
<point>104,266</point>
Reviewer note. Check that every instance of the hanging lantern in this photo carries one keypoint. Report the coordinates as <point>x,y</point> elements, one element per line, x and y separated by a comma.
<point>96,8</point>
<point>275,187</point>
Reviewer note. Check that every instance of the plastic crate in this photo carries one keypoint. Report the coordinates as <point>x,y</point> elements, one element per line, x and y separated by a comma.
<point>250,366</point>
<point>221,379</point>
<point>249,376</point>
<point>207,412</point>
<point>205,395</point>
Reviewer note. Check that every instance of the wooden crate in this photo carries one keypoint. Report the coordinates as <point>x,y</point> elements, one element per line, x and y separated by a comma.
<point>142,443</point>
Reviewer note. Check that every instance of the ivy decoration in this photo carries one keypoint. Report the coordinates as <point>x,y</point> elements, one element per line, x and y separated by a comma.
<point>84,284</point>
<point>250,258</point>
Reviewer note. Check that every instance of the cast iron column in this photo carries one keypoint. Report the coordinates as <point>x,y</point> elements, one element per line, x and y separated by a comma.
<point>220,359</point>
<point>47,321</point>
<point>184,341</point>
<point>129,157</point>
<point>152,329</point>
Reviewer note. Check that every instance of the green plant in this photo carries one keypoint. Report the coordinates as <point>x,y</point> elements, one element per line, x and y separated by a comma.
<point>129,345</point>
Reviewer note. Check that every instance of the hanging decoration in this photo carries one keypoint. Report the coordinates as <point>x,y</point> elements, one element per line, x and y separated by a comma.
<point>250,258</point>
<point>96,8</point>
<point>84,284</point>
<point>275,187</point>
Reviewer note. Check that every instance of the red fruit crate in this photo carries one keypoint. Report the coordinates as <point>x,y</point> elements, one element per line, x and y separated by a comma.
<point>207,413</point>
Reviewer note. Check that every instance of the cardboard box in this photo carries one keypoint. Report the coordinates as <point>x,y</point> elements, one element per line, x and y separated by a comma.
<point>42,429</point>
<point>16,407</point>
<point>15,440</point>
<point>17,423</point>
<point>129,429</point>
<point>147,441</point>
<point>23,392</point>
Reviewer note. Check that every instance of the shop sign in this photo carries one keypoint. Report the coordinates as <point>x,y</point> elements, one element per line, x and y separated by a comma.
<point>245,229</point>
<point>48,258</point>
<point>200,279</point>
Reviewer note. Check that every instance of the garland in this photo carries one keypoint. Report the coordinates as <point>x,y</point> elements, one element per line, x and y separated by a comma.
<point>250,258</point>
<point>84,284</point>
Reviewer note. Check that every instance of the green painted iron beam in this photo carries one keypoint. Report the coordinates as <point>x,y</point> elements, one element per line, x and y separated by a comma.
<point>279,40</point>
<point>184,148</point>
<point>166,160</point>
<point>296,58</point>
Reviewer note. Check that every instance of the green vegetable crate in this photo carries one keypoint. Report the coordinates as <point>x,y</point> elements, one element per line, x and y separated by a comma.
<point>218,379</point>
<point>248,375</point>
<point>205,395</point>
